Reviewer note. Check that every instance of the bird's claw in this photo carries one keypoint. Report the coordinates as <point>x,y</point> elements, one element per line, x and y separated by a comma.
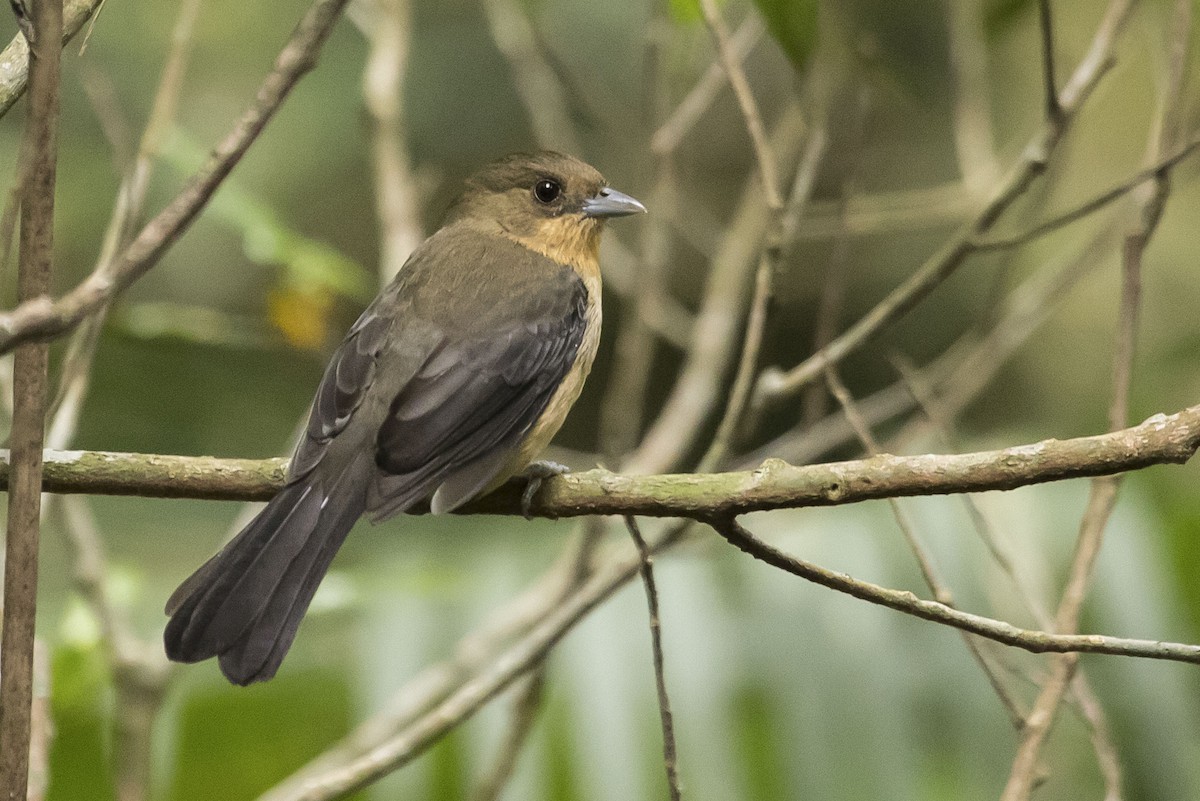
<point>535,474</point>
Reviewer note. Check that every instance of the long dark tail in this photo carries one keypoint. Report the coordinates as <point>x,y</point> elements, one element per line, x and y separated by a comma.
<point>245,603</point>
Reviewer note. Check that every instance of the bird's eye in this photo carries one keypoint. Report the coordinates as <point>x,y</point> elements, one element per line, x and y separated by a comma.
<point>547,191</point>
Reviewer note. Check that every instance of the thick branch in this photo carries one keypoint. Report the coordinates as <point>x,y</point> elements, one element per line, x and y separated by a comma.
<point>775,485</point>
<point>40,147</point>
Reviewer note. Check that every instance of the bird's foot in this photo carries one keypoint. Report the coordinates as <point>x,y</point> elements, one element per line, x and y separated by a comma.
<point>535,474</point>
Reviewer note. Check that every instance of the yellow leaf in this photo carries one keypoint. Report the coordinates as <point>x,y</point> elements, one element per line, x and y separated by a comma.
<point>302,316</point>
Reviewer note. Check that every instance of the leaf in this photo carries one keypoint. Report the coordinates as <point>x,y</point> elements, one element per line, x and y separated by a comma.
<point>685,11</point>
<point>793,23</point>
<point>267,239</point>
<point>1000,14</point>
<point>301,315</point>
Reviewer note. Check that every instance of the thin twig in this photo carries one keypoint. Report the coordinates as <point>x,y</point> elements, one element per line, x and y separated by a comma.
<point>1054,110</point>
<point>974,143</point>
<point>763,152</point>
<point>1103,496</point>
<point>717,329</point>
<point>387,26</point>
<point>29,408</point>
<point>542,94</point>
<point>904,601</point>
<point>75,377</point>
<point>42,319</point>
<point>14,60</point>
<point>929,573</point>
<point>774,385</point>
<point>670,752</point>
<point>1091,206</point>
<point>698,100</point>
<point>525,708</point>
<point>496,672</point>
<point>782,225</point>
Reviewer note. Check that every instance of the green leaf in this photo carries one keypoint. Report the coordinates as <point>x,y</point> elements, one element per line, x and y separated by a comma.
<point>267,239</point>
<point>1000,14</point>
<point>685,11</point>
<point>793,23</point>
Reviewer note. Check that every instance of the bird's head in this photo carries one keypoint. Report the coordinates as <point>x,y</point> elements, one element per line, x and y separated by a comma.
<point>550,202</point>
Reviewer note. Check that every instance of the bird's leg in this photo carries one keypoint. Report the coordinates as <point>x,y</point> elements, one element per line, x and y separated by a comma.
<point>535,474</point>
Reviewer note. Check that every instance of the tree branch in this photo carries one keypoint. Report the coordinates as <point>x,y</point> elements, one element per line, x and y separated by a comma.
<point>40,319</point>
<point>14,59</point>
<point>903,601</point>
<point>775,384</point>
<point>40,146</point>
<point>1162,439</point>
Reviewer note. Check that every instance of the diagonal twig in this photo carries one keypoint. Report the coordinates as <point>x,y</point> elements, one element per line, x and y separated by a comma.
<point>41,318</point>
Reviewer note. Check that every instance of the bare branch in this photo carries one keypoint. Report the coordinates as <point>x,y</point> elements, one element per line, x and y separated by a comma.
<point>524,715</point>
<point>763,152</point>
<point>1054,110</point>
<point>40,319</point>
<point>40,145</point>
<point>670,752</point>
<point>776,384</point>
<point>1091,206</point>
<point>14,59</point>
<point>1103,497</point>
<point>692,107</point>
<point>389,753</point>
<point>1162,439</point>
<point>1037,642</point>
<point>387,26</point>
<point>716,331</point>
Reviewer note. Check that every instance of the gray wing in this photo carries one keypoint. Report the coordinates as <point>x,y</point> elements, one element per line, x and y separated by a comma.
<point>461,418</point>
<point>445,402</point>
<point>348,378</point>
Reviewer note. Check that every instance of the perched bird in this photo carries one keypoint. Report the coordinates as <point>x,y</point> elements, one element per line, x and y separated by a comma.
<point>453,380</point>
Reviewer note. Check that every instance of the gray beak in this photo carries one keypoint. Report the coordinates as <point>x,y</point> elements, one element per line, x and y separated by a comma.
<point>611,203</point>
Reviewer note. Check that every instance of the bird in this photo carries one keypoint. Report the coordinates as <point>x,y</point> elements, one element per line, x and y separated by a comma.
<point>453,380</point>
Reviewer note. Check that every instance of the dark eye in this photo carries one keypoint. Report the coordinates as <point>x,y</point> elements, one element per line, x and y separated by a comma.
<point>547,191</point>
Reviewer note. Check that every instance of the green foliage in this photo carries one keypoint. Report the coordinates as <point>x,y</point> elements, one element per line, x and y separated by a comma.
<point>79,757</point>
<point>793,23</point>
<point>1000,14</point>
<point>685,11</point>
<point>267,731</point>
<point>268,240</point>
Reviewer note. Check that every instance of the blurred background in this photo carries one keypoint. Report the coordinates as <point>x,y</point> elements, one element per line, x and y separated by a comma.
<point>782,690</point>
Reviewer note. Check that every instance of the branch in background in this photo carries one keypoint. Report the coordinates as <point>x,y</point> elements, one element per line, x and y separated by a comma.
<point>973,141</point>
<point>41,318</point>
<point>941,591</point>
<point>1162,439</point>
<point>14,59</point>
<point>76,369</point>
<point>717,330</point>
<point>775,385</point>
<point>764,154</point>
<point>1103,496</point>
<point>387,26</point>
<point>1088,207</point>
<point>902,601</point>
<point>670,750</point>
<point>940,420</point>
<point>542,94</point>
<point>494,672</point>
<point>30,380</point>
<point>697,101</point>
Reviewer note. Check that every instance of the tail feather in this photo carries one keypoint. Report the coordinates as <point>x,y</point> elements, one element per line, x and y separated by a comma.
<point>258,654</point>
<point>245,604</point>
